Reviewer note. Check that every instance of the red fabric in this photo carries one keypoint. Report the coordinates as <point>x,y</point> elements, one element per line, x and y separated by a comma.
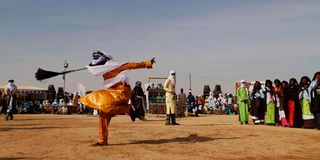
<point>284,122</point>
<point>200,101</point>
<point>291,112</point>
<point>277,90</point>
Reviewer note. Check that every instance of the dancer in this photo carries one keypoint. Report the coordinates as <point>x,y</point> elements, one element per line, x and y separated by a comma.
<point>113,100</point>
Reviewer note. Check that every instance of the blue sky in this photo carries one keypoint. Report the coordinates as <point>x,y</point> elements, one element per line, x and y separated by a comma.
<point>218,42</point>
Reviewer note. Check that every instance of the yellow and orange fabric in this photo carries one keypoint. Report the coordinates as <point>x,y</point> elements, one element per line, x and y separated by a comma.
<point>115,97</point>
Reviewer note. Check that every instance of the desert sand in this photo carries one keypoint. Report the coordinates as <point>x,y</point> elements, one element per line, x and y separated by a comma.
<point>220,137</point>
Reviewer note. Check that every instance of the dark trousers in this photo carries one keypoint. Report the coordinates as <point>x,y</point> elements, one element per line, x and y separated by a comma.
<point>11,104</point>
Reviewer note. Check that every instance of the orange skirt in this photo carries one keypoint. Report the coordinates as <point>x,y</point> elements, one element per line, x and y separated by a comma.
<point>113,100</point>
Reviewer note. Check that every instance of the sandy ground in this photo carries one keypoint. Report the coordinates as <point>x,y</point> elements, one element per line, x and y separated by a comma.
<point>205,137</point>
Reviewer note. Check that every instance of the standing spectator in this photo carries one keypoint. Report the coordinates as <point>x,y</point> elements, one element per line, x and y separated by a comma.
<point>220,102</point>
<point>75,99</point>
<point>11,98</point>
<point>206,105</point>
<point>243,101</point>
<point>314,90</point>
<point>224,103</point>
<point>200,103</point>
<point>257,103</point>
<point>169,86</point>
<point>230,104</point>
<point>270,102</point>
<point>191,102</point>
<point>211,103</point>
<point>149,86</point>
<point>285,87</point>
<point>216,104</point>
<point>295,115</point>
<point>137,96</point>
<point>279,91</point>
<point>182,98</point>
<point>276,91</point>
<point>304,97</point>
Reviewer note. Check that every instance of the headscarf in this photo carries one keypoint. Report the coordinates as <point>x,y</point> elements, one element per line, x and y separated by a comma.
<point>268,85</point>
<point>294,81</point>
<point>99,58</point>
<point>257,86</point>
<point>284,84</point>
<point>242,83</point>
<point>11,88</point>
<point>314,77</point>
<point>138,84</point>
<point>277,82</point>
<point>307,79</point>
<point>102,64</point>
<point>172,77</point>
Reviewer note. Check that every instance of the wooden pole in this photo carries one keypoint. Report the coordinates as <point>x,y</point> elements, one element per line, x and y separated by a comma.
<point>189,81</point>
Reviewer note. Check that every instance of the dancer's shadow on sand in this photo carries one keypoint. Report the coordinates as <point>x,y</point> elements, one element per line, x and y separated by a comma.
<point>211,124</point>
<point>10,125</point>
<point>4,129</point>
<point>39,119</point>
<point>12,158</point>
<point>192,138</point>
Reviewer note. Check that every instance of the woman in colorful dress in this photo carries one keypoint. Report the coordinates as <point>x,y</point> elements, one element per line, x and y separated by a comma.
<point>270,102</point>
<point>304,97</point>
<point>314,90</point>
<point>279,91</point>
<point>257,103</point>
<point>295,115</point>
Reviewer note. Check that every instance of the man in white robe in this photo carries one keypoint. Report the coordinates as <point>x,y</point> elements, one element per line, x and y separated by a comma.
<point>169,86</point>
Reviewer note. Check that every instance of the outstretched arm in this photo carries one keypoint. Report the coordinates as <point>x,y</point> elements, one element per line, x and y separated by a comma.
<point>133,65</point>
<point>128,66</point>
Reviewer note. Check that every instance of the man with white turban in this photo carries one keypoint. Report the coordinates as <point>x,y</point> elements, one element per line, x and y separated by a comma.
<point>243,102</point>
<point>169,86</point>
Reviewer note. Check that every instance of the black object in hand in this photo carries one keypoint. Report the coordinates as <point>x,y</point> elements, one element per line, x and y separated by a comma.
<point>153,60</point>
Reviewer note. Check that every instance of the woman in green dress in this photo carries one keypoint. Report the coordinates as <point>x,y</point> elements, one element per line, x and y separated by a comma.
<point>270,101</point>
